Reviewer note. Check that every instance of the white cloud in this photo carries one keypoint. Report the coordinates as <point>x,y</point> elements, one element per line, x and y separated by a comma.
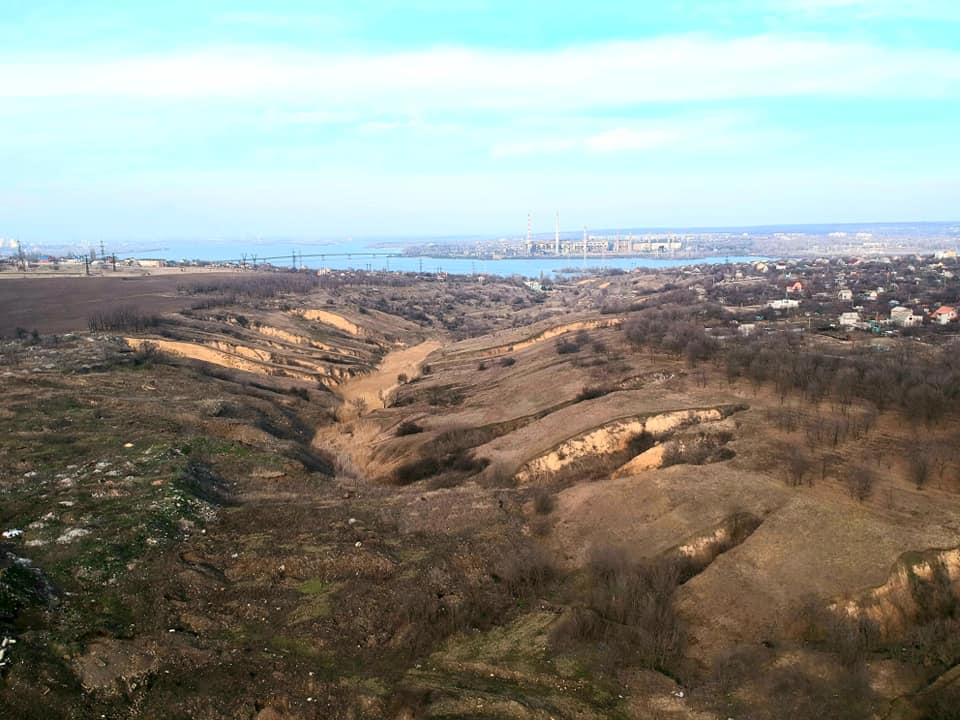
<point>279,20</point>
<point>866,9</point>
<point>667,69</point>
<point>626,139</point>
<point>684,132</point>
<point>533,147</point>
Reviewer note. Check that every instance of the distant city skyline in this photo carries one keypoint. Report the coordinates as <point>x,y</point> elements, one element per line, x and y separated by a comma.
<point>422,118</point>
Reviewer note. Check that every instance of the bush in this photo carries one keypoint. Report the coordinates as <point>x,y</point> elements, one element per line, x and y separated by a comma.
<point>146,354</point>
<point>543,502</point>
<point>525,573</point>
<point>408,427</point>
<point>629,611</point>
<point>698,450</point>
<point>566,347</point>
<point>592,392</point>
<point>507,361</point>
<point>444,396</point>
<point>459,461</point>
<point>411,472</point>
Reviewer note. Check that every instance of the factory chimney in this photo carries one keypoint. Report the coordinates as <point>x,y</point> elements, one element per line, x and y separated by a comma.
<point>556,236</point>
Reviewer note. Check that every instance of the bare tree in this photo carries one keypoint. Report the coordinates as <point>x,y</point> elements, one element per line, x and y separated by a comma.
<point>860,482</point>
<point>797,464</point>
<point>919,467</point>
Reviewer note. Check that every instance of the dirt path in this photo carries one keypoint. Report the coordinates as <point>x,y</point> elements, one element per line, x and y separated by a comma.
<point>374,386</point>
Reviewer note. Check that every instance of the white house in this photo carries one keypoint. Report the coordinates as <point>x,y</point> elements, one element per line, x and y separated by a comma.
<point>849,319</point>
<point>903,316</point>
<point>783,304</point>
<point>845,294</point>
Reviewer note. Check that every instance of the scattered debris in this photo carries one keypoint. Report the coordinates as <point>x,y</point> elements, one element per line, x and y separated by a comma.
<point>12,533</point>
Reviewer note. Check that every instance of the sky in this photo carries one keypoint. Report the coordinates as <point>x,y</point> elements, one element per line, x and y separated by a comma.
<point>126,120</point>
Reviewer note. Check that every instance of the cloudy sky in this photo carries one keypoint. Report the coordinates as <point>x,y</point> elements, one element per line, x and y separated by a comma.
<point>436,117</point>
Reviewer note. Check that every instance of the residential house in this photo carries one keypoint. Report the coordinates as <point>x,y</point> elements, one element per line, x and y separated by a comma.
<point>903,316</point>
<point>783,304</point>
<point>944,314</point>
<point>849,319</point>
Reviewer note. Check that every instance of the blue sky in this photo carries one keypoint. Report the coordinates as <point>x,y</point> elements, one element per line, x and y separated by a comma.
<point>126,120</point>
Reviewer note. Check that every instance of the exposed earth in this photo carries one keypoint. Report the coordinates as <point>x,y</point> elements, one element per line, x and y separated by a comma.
<point>403,497</point>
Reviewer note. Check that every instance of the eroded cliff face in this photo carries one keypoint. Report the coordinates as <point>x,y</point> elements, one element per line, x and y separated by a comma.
<point>615,437</point>
<point>922,586</point>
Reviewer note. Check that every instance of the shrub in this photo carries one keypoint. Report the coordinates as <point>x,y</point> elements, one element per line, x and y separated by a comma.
<point>414,470</point>
<point>507,361</point>
<point>146,354</point>
<point>629,611</point>
<point>408,427</point>
<point>593,391</point>
<point>524,573</point>
<point>566,347</point>
<point>543,502</point>
<point>459,461</point>
<point>444,396</point>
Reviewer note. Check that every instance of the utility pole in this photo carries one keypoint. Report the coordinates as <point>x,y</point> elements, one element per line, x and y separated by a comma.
<point>114,256</point>
<point>86,264</point>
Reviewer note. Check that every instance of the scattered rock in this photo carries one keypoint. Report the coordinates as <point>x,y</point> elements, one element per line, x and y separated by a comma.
<point>72,534</point>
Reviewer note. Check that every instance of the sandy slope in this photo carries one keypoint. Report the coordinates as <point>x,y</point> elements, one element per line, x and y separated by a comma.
<point>373,387</point>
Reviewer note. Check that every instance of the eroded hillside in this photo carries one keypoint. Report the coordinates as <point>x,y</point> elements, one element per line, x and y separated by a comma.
<point>398,497</point>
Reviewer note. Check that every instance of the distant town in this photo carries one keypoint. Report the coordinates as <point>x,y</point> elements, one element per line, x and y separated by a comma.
<point>787,241</point>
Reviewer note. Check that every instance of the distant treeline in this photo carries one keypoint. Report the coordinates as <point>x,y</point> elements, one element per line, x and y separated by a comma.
<point>127,318</point>
<point>262,286</point>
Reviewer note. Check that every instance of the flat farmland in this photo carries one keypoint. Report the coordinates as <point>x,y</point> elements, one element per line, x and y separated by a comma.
<point>58,305</point>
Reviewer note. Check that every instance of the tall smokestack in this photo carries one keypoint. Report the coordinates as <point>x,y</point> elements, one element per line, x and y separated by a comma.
<point>556,236</point>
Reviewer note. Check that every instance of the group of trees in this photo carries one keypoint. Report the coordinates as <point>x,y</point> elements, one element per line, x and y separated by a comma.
<point>673,332</point>
<point>923,386</point>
